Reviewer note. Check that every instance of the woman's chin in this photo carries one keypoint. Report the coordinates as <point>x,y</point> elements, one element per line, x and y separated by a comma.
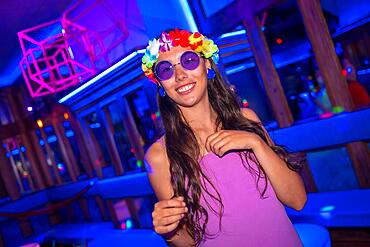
<point>188,102</point>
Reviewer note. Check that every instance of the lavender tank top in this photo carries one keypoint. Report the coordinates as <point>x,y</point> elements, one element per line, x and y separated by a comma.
<point>248,219</point>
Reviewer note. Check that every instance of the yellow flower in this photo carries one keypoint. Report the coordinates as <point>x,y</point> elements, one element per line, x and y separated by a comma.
<point>146,70</point>
<point>208,48</point>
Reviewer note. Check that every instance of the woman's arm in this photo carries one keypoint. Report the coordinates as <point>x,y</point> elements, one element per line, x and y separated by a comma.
<point>287,184</point>
<point>167,212</point>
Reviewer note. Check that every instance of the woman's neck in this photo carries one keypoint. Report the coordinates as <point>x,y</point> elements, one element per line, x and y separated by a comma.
<point>201,117</point>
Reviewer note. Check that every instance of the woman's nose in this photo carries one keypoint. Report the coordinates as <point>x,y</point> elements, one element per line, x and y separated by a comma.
<point>180,73</point>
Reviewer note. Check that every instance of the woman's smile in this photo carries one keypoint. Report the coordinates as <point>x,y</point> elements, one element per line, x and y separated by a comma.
<point>186,89</point>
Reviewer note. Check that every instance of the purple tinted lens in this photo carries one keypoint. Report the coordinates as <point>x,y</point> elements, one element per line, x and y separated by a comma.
<point>164,70</point>
<point>189,60</point>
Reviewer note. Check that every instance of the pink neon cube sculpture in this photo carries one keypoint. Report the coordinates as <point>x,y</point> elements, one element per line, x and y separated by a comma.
<point>47,64</point>
<point>75,47</point>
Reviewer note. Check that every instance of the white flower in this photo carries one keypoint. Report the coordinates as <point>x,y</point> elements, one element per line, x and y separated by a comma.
<point>153,48</point>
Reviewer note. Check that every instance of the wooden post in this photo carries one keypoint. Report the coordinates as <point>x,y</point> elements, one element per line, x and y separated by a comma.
<point>130,202</point>
<point>360,157</point>
<point>323,48</point>
<point>50,156</point>
<point>63,148</point>
<point>25,140</point>
<point>113,214</point>
<point>8,177</point>
<point>85,158</point>
<point>131,129</point>
<point>270,78</point>
<point>106,121</point>
<point>102,209</point>
<point>336,85</point>
<point>91,148</point>
<point>26,227</point>
<point>85,209</point>
<point>13,166</point>
<point>44,169</point>
<point>24,164</point>
<point>309,182</point>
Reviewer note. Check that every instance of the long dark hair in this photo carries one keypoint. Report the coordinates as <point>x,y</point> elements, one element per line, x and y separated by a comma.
<point>187,178</point>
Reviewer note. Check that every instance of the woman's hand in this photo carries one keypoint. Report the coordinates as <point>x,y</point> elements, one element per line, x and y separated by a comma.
<point>167,214</point>
<point>226,140</point>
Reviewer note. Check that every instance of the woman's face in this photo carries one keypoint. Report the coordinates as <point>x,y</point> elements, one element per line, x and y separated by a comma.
<point>185,87</point>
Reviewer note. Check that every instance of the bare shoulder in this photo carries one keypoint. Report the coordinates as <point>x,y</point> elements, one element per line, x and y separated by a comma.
<point>250,114</point>
<point>158,169</point>
<point>156,157</point>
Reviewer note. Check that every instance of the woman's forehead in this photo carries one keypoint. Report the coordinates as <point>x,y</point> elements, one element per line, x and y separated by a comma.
<point>174,54</point>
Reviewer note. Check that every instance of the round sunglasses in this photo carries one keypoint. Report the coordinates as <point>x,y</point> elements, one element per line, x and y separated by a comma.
<point>164,70</point>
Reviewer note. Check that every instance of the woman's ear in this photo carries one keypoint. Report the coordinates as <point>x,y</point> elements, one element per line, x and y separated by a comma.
<point>208,64</point>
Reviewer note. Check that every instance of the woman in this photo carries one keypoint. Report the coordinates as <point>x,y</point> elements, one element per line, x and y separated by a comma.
<point>217,175</point>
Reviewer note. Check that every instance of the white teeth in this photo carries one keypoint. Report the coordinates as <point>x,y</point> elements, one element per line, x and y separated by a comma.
<point>185,88</point>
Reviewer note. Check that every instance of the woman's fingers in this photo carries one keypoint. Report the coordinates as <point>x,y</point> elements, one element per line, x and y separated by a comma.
<point>166,229</point>
<point>216,141</point>
<point>219,145</point>
<point>168,213</point>
<point>211,139</point>
<point>176,202</point>
<point>168,220</point>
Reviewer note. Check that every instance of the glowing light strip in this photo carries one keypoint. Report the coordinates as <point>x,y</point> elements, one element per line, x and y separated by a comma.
<point>363,72</point>
<point>102,74</point>
<point>189,16</point>
<point>239,68</point>
<point>226,35</point>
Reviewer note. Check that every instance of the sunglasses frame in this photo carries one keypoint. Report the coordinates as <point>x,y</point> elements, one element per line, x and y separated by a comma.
<point>174,65</point>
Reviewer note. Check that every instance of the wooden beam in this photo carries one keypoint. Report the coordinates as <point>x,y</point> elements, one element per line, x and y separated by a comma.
<point>62,143</point>
<point>323,48</point>
<point>131,129</point>
<point>336,85</point>
<point>44,168</point>
<point>268,72</point>
<point>8,177</point>
<point>91,147</point>
<point>85,158</point>
<point>113,214</point>
<point>50,157</point>
<point>360,157</point>
<point>106,121</point>
<point>102,208</point>
<point>18,113</point>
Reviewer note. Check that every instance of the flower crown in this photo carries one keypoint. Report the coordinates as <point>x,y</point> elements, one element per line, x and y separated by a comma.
<point>183,38</point>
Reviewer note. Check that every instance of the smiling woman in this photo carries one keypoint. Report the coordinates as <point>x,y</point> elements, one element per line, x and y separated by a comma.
<point>211,151</point>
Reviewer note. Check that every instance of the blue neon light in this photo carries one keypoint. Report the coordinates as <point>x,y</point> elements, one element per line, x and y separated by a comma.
<point>94,125</point>
<point>327,208</point>
<point>238,68</point>
<point>102,74</point>
<point>15,151</point>
<point>188,15</point>
<point>69,133</point>
<point>52,139</point>
<point>128,224</point>
<point>363,72</point>
<point>42,142</point>
<point>226,35</point>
